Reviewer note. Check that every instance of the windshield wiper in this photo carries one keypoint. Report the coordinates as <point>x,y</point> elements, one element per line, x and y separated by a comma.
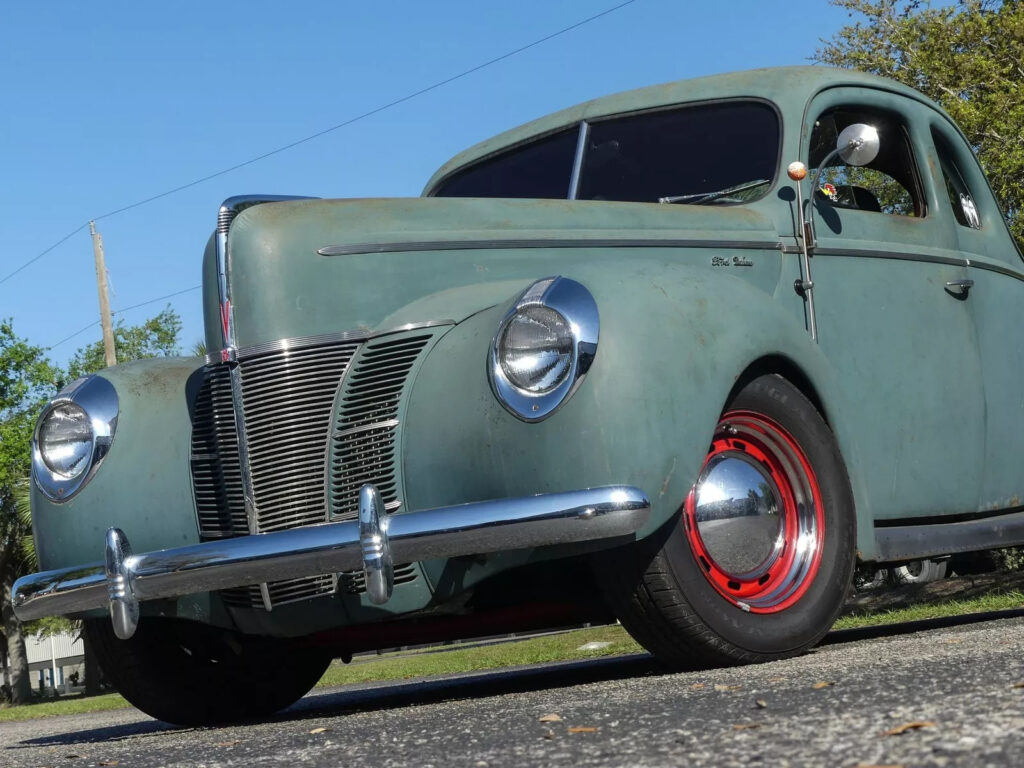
<point>706,197</point>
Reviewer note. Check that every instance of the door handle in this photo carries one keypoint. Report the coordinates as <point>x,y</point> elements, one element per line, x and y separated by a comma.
<point>959,288</point>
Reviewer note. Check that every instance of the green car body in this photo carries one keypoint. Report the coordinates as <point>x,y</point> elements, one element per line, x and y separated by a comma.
<point>914,367</point>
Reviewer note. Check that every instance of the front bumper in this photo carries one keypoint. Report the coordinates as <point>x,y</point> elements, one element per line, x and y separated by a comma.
<point>375,543</point>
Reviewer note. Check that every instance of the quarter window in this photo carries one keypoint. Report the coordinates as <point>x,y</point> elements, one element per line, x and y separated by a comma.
<point>960,197</point>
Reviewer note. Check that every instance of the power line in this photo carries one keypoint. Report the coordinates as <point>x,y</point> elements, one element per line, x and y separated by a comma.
<point>121,311</point>
<point>325,131</point>
<point>37,257</point>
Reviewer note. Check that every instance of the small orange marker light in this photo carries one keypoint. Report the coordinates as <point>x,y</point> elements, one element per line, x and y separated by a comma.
<point>797,170</point>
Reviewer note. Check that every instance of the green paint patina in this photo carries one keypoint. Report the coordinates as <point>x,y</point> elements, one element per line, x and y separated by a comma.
<point>919,386</point>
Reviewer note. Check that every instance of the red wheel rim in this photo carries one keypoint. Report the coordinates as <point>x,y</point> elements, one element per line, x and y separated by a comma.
<point>760,550</point>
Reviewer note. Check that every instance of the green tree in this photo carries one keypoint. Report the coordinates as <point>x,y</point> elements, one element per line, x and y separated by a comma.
<point>27,379</point>
<point>968,56</point>
<point>157,337</point>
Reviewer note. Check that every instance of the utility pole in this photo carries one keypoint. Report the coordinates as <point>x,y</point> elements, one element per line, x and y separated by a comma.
<point>109,353</point>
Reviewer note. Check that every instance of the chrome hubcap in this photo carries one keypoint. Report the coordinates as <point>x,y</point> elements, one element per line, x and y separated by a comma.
<point>739,515</point>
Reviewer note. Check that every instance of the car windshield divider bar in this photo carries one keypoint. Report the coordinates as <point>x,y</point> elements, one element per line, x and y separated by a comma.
<point>577,163</point>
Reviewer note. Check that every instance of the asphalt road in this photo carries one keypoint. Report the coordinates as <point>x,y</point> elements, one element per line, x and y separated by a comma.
<point>852,702</point>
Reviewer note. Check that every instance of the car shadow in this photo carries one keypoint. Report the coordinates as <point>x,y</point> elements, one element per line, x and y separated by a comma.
<point>371,697</point>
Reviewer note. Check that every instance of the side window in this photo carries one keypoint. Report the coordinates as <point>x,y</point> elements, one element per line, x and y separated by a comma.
<point>960,197</point>
<point>889,184</point>
<point>540,169</point>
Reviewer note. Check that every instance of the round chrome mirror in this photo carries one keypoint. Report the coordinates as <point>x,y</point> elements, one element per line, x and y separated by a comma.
<point>858,144</point>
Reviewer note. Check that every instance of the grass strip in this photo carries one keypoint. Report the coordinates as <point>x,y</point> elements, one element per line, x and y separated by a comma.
<point>67,705</point>
<point>996,601</point>
<point>563,646</point>
<point>556,647</point>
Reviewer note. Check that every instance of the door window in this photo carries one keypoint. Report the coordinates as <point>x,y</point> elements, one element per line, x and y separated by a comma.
<point>889,184</point>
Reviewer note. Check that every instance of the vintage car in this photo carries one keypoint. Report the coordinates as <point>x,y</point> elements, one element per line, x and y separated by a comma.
<point>587,376</point>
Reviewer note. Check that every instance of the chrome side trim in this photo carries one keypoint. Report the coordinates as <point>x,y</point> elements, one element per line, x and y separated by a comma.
<point>98,398</point>
<point>998,269</point>
<point>870,254</point>
<point>551,242</point>
<point>301,342</point>
<point>613,512</point>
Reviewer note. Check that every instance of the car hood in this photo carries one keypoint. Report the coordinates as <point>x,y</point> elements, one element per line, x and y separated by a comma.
<point>311,267</point>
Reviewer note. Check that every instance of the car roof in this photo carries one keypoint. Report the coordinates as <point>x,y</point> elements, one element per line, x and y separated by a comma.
<point>788,87</point>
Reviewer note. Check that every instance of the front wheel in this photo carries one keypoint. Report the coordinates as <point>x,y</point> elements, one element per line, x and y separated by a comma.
<point>758,562</point>
<point>191,674</point>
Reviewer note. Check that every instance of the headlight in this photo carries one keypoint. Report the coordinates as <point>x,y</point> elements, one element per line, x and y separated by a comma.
<point>535,349</point>
<point>72,436</point>
<point>544,347</point>
<point>65,440</point>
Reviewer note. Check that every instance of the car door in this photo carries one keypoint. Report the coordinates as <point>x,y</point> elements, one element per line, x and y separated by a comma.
<point>891,312</point>
<point>996,300</point>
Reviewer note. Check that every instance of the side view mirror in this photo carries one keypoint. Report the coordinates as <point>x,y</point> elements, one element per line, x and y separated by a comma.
<point>858,144</point>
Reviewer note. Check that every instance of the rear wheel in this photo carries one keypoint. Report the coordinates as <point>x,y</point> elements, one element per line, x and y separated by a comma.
<point>192,674</point>
<point>760,558</point>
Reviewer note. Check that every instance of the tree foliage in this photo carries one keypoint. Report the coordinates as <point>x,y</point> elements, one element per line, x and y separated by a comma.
<point>968,56</point>
<point>157,337</point>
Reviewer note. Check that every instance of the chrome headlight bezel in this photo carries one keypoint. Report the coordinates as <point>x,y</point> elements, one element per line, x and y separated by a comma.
<point>577,307</point>
<point>98,399</point>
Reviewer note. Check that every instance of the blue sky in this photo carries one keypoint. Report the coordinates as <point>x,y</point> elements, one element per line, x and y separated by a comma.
<point>107,104</point>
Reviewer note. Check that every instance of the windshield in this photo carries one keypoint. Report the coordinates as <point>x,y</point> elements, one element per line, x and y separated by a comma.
<point>719,153</point>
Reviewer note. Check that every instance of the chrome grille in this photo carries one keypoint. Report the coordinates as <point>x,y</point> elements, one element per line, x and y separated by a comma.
<point>365,428</point>
<point>216,476</point>
<point>290,396</point>
<point>287,398</point>
<point>354,582</point>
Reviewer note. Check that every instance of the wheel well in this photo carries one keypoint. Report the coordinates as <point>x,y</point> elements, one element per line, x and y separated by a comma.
<point>787,369</point>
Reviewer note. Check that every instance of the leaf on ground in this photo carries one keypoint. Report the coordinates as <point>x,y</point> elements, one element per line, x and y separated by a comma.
<point>318,730</point>
<point>746,726</point>
<point>1017,685</point>
<point>582,729</point>
<point>823,684</point>
<point>697,686</point>
<point>720,687</point>
<point>761,704</point>
<point>552,718</point>
<point>107,762</point>
<point>901,729</point>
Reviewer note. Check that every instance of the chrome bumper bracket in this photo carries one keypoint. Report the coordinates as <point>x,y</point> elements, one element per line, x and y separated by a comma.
<point>374,542</point>
<point>373,537</point>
